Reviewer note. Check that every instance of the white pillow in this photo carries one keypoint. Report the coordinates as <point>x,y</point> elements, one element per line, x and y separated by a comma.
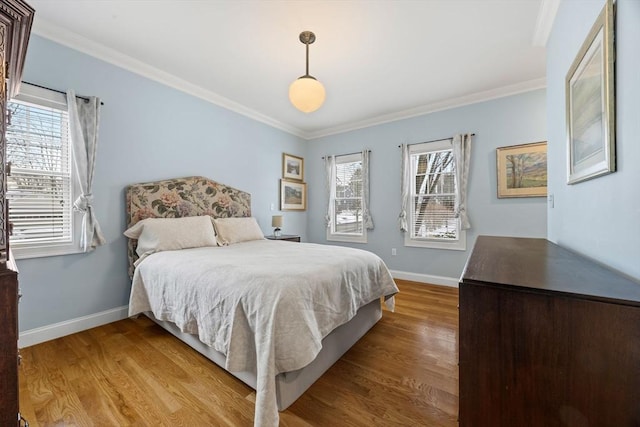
<point>236,230</point>
<point>169,234</point>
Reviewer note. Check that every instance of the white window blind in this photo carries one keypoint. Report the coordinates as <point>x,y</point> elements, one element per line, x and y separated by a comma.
<point>348,222</point>
<point>434,196</point>
<point>40,187</point>
<point>432,218</point>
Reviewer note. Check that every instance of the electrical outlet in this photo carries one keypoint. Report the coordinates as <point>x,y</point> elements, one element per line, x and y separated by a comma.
<point>393,251</point>
<point>273,207</point>
<point>551,201</point>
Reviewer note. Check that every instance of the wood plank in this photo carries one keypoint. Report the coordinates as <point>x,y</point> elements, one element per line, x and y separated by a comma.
<point>132,372</point>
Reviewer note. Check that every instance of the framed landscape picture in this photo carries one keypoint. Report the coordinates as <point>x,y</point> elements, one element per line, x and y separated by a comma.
<point>293,195</point>
<point>590,94</point>
<point>522,170</point>
<point>292,167</point>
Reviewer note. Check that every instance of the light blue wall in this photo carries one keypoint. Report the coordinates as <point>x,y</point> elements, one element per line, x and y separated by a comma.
<point>599,218</point>
<point>148,131</point>
<point>506,121</point>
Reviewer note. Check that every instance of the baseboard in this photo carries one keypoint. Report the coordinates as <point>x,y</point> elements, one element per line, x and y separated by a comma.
<point>68,327</point>
<point>425,278</point>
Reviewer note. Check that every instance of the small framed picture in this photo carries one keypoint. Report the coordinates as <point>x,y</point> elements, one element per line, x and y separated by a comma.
<point>522,170</point>
<point>292,167</point>
<point>293,195</point>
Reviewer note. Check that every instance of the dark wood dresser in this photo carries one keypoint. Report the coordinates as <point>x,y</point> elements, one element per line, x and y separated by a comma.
<point>547,338</point>
<point>8,347</point>
<point>16,18</point>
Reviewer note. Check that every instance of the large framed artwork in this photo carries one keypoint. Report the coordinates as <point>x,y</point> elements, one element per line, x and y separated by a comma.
<point>293,195</point>
<point>590,97</point>
<point>522,170</point>
<point>292,167</point>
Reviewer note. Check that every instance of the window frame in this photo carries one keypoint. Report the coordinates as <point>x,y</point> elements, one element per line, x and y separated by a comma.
<point>459,244</point>
<point>23,250</point>
<point>346,237</point>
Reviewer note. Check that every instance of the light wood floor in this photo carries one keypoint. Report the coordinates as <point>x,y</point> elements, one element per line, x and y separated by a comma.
<point>402,373</point>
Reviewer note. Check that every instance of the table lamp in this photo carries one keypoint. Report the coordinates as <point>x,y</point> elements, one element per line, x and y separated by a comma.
<point>276,221</point>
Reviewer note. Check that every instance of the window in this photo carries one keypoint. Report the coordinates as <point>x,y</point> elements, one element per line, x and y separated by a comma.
<point>346,202</point>
<point>41,187</point>
<point>433,221</point>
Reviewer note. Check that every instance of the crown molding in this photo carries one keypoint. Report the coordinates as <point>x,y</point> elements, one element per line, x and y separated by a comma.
<point>544,23</point>
<point>74,41</point>
<point>448,104</point>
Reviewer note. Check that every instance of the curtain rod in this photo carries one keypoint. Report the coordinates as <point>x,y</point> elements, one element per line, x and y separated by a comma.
<point>348,154</point>
<point>59,91</point>
<point>433,140</point>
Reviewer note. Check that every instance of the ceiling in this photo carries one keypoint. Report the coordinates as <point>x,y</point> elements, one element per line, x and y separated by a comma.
<point>378,60</point>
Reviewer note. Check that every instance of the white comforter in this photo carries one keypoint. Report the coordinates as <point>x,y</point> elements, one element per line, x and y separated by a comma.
<point>265,304</point>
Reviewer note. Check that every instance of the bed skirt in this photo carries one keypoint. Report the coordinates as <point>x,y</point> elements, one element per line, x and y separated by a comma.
<point>291,385</point>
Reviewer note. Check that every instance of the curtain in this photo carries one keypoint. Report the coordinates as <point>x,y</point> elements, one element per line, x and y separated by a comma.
<point>366,213</point>
<point>84,119</point>
<point>462,156</point>
<point>330,189</point>
<point>405,182</point>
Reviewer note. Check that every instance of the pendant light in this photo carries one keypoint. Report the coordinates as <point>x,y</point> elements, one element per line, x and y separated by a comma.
<point>306,93</point>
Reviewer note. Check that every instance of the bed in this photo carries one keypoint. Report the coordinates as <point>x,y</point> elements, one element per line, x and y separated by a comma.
<point>274,314</point>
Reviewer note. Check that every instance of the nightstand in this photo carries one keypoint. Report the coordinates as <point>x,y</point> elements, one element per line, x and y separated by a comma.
<point>287,237</point>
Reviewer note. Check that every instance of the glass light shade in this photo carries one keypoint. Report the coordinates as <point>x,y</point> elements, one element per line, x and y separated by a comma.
<point>307,94</point>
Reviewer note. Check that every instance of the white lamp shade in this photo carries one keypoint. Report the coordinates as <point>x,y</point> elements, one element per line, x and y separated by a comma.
<point>276,221</point>
<point>307,94</point>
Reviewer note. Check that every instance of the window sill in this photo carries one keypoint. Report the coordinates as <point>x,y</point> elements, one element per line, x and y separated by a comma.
<point>44,251</point>
<point>346,238</point>
<point>456,245</point>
